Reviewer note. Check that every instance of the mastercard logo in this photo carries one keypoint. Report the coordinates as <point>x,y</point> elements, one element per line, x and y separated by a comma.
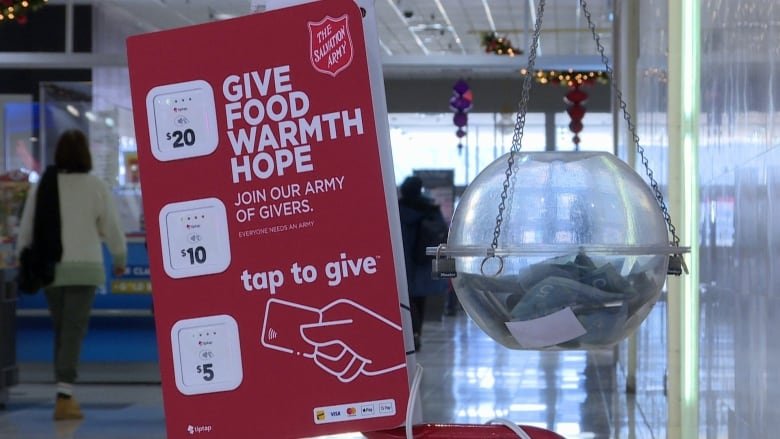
<point>352,411</point>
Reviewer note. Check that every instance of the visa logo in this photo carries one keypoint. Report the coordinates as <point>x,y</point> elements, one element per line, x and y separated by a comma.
<point>335,413</point>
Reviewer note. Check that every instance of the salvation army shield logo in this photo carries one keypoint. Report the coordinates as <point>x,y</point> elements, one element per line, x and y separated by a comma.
<point>330,45</point>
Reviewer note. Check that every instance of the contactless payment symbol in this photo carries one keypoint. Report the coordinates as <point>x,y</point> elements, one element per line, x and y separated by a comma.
<point>206,354</point>
<point>182,120</point>
<point>194,238</point>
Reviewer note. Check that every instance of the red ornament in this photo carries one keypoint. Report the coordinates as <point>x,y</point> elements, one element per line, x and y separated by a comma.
<point>574,99</point>
<point>576,96</point>
<point>576,112</point>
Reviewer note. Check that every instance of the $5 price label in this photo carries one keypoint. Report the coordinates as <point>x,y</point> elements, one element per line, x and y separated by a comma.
<point>207,370</point>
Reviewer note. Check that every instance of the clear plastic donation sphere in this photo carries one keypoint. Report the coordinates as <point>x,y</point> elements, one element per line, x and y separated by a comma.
<point>580,259</point>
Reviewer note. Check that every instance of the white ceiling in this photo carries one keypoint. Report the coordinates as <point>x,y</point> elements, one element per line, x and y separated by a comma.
<point>427,35</point>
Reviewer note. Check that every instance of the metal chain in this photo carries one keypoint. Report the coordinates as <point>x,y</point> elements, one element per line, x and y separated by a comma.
<point>521,116</point>
<point>631,128</point>
<point>517,137</point>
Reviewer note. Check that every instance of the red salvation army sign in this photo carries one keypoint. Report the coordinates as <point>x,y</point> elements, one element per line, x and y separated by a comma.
<point>273,272</point>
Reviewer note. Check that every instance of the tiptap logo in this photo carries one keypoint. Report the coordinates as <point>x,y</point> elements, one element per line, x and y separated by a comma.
<point>192,429</point>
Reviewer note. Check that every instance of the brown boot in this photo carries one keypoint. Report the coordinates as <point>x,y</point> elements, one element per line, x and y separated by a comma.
<point>67,408</point>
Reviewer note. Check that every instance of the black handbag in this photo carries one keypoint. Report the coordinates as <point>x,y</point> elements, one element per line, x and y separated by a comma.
<point>34,271</point>
<point>38,260</point>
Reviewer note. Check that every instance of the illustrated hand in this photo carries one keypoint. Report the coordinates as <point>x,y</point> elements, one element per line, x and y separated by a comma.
<point>345,341</point>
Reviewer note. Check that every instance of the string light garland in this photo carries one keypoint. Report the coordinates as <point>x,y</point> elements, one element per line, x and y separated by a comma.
<point>17,10</point>
<point>499,45</point>
<point>568,78</point>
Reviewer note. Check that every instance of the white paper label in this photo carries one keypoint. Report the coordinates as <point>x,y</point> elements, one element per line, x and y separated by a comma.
<point>558,327</point>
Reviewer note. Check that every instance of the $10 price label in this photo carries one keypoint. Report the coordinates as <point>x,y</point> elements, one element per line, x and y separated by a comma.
<point>194,255</point>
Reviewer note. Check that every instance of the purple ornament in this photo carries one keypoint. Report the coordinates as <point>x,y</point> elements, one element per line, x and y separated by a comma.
<point>460,87</point>
<point>460,119</point>
<point>460,133</point>
<point>460,104</point>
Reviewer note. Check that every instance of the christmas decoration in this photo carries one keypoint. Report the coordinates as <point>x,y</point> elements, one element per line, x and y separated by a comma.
<point>499,45</point>
<point>574,100</point>
<point>460,103</point>
<point>568,78</point>
<point>576,97</point>
<point>17,10</point>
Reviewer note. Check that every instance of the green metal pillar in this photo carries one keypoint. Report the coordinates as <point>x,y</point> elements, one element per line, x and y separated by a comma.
<point>683,122</point>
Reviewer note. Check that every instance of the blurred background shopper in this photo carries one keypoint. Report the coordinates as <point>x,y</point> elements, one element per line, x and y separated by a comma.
<point>422,225</point>
<point>76,208</point>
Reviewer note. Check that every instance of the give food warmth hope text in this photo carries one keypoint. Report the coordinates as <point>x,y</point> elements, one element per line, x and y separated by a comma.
<point>270,127</point>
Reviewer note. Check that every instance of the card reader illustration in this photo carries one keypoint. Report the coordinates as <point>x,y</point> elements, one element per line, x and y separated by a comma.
<point>282,326</point>
<point>182,120</point>
<point>206,354</point>
<point>195,239</point>
<point>342,337</point>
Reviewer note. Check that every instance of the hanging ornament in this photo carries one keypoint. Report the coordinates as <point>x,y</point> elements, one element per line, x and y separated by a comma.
<point>460,104</point>
<point>575,97</point>
<point>574,100</point>
<point>460,120</point>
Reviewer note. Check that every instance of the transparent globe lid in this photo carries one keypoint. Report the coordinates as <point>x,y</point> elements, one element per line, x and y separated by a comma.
<point>580,258</point>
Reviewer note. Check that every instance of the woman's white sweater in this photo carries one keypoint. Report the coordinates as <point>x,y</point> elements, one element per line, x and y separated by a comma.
<point>88,216</point>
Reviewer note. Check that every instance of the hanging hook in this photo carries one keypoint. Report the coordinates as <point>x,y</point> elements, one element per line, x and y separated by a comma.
<point>491,255</point>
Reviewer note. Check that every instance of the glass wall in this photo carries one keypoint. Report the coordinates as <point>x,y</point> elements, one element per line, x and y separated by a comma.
<point>428,140</point>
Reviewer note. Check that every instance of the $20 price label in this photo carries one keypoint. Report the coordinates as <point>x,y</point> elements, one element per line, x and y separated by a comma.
<point>181,137</point>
